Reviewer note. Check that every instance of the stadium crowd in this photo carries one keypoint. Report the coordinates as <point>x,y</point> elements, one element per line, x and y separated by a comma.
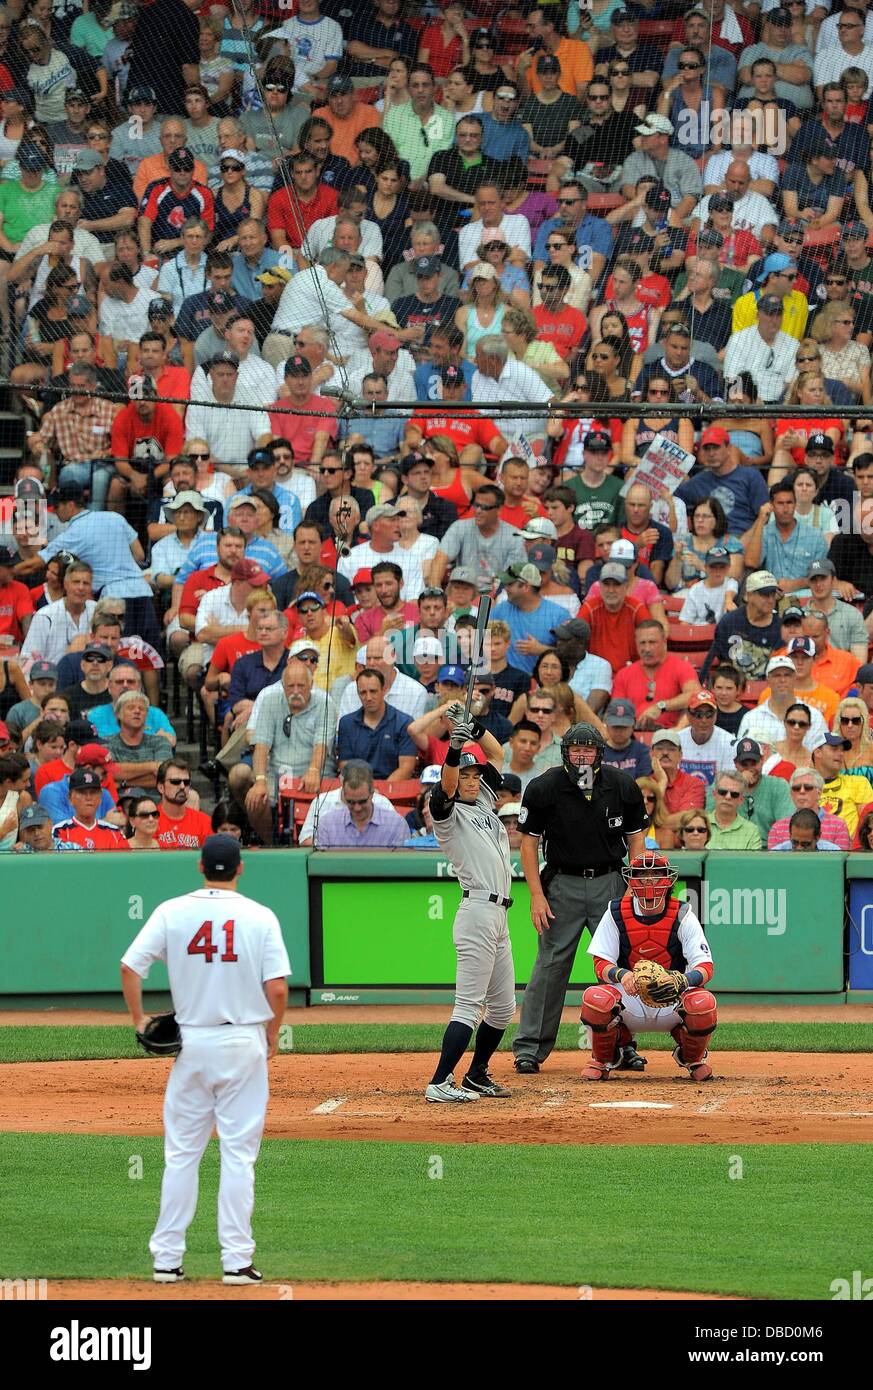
<point>232,236</point>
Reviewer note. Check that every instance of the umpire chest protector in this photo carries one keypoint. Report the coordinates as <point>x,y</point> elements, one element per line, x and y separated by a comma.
<point>648,938</point>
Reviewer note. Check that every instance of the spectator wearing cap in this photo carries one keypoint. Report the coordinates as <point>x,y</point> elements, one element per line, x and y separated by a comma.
<point>748,636</point>
<point>186,513</point>
<point>141,104</point>
<point>195,314</point>
<point>428,307</point>
<point>146,434</point>
<point>847,630</point>
<point>794,61</point>
<point>346,115</point>
<point>169,202</point>
<point>573,56</point>
<point>309,435</point>
<point>384,529</point>
<point>483,544</point>
<point>154,170</point>
<point>544,558</point>
<point>834,668</point>
<point>386,355</point>
<point>35,832</point>
<point>706,749</point>
<point>807,687</point>
<point>108,206</point>
<point>54,796</point>
<point>437,513</point>
<point>25,203</point>
<point>593,235</point>
<point>622,750</point>
<point>42,680</point>
<point>805,786</point>
<point>695,32</point>
<point>165,51</point>
<point>222,611</point>
<point>531,618</point>
<point>643,60</point>
<point>843,794</point>
<point>68,133</point>
<point>815,190</point>
<point>775,280</point>
<point>92,689</point>
<point>660,683</point>
<point>331,633</point>
<point>781,542</point>
<point>741,491</point>
<point>728,829</point>
<point>84,826</point>
<point>474,435</point>
<point>16,603</point>
<point>596,489</point>
<point>231,434</point>
<point>612,617</point>
<point>668,164</point>
<point>832,482</point>
<point>262,468</point>
<point>682,365</point>
<point>765,798</point>
<point>679,790</point>
<point>270,284</point>
<point>707,600</point>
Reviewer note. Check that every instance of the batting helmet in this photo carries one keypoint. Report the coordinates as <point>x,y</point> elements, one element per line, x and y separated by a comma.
<point>650,877</point>
<point>584,735</point>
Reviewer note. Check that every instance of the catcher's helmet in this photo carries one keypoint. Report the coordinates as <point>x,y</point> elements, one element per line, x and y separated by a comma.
<point>588,736</point>
<point>649,878</point>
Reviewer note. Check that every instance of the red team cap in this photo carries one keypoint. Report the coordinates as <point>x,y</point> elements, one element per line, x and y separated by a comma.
<point>714,435</point>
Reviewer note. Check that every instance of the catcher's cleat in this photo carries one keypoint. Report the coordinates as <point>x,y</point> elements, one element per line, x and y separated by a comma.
<point>595,1072</point>
<point>630,1059</point>
<point>485,1085</point>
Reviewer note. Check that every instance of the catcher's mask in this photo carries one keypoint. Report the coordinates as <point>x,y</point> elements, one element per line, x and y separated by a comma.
<point>582,736</point>
<point>649,878</point>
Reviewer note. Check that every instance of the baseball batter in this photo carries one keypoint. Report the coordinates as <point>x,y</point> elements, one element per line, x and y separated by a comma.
<point>227,965</point>
<point>470,834</point>
<point>648,944</point>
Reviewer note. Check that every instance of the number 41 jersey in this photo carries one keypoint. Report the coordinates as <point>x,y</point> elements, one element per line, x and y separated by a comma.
<point>219,948</point>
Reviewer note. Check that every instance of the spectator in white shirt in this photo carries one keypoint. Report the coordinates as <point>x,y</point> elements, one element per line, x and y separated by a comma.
<point>750,212</point>
<point>384,356</point>
<point>230,434</point>
<point>501,378</point>
<point>491,209</point>
<point>314,44</point>
<point>124,313</point>
<point>384,527</point>
<point>256,377</point>
<point>764,351</point>
<point>705,602</point>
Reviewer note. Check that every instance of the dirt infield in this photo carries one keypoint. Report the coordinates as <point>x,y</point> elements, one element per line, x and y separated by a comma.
<point>92,1290</point>
<point>782,1098</point>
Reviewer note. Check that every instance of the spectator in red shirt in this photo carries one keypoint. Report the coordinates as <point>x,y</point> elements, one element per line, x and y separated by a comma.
<point>308,435</point>
<point>77,734</point>
<point>83,828</point>
<point>186,598</point>
<point>680,790</point>
<point>16,602</point>
<point>557,323</point>
<point>179,825</point>
<point>287,221</point>
<point>660,684</point>
<point>146,434</point>
<point>151,360</point>
<point>520,504</point>
<point>473,435</point>
<point>390,613</point>
<point>613,617</point>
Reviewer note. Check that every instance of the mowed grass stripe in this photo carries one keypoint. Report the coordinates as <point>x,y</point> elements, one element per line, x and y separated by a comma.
<point>52,1043</point>
<point>84,1206</point>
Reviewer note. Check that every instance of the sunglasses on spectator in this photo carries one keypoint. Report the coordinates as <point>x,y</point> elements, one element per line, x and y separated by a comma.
<point>695,829</point>
<point>688,67</point>
<point>228,168</point>
<point>556,245</point>
<point>309,657</point>
<point>659,390</point>
<point>310,608</point>
<point>330,470</point>
<point>541,709</point>
<point>199,458</point>
<point>804,787</point>
<point>432,593</point>
<point>619,72</point>
<point>567,202</point>
<point>179,781</point>
<point>725,791</point>
<point>146,815</point>
<point>702,713</point>
<point>850,719</point>
<point>485,506</point>
<point>92,659</point>
<point>797,723</point>
<point>274,87</point>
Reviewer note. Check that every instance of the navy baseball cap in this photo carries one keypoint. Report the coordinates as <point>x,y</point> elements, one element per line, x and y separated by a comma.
<point>137,94</point>
<point>747,750</point>
<point>451,675</point>
<point>8,556</point>
<point>717,555</point>
<point>819,443</point>
<point>219,301</point>
<point>452,376</point>
<point>85,779</point>
<point>804,645</point>
<point>341,82</point>
<point>831,741</point>
<point>297,366</point>
<point>219,854</point>
<point>428,265</point>
<point>33,815</point>
<point>181,160</point>
<point>720,202</point>
<point>598,440</point>
<point>658,198</point>
<point>620,714</point>
<point>43,671</point>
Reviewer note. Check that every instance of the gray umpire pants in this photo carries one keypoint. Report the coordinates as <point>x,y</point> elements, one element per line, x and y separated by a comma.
<point>577,903</point>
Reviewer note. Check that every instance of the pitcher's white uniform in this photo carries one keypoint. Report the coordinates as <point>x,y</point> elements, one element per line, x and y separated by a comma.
<point>219,948</point>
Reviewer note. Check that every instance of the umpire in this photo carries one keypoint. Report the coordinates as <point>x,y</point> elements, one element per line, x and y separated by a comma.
<point>586,814</point>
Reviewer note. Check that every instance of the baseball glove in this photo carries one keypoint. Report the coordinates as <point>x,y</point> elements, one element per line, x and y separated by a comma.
<point>161,1036</point>
<point>657,987</point>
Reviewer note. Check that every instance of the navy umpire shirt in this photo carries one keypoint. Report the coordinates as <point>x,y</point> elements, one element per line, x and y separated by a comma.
<point>577,833</point>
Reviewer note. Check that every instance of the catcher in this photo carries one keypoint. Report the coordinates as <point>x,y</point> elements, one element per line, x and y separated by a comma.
<point>652,959</point>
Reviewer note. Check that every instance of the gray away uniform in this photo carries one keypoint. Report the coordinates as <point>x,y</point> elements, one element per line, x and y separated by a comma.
<point>477,844</point>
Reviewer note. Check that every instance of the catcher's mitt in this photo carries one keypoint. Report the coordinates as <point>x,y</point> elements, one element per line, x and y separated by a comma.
<point>657,987</point>
<point>161,1036</point>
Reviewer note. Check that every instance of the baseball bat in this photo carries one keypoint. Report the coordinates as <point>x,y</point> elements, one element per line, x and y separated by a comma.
<point>478,644</point>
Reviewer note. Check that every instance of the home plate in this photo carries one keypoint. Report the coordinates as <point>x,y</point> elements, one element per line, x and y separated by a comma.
<point>629,1105</point>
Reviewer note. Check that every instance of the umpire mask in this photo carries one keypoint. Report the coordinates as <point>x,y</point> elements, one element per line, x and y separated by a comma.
<point>582,773</point>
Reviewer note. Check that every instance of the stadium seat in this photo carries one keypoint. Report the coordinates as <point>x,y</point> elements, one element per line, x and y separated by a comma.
<point>657,32</point>
<point>752,693</point>
<point>673,603</point>
<point>604,202</point>
<point>690,636</point>
<point>513,37</point>
<point>291,795</point>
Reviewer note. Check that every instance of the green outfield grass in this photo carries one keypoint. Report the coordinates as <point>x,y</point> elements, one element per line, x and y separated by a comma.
<point>516,1213</point>
<point>51,1043</point>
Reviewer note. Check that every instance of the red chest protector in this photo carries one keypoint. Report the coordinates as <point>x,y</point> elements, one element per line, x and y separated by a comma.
<point>653,939</point>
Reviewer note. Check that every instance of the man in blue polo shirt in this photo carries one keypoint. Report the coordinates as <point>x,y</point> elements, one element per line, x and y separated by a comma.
<point>504,137</point>
<point>377,733</point>
<point>531,619</point>
<point>593,235</point>
<point>741,491</point>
